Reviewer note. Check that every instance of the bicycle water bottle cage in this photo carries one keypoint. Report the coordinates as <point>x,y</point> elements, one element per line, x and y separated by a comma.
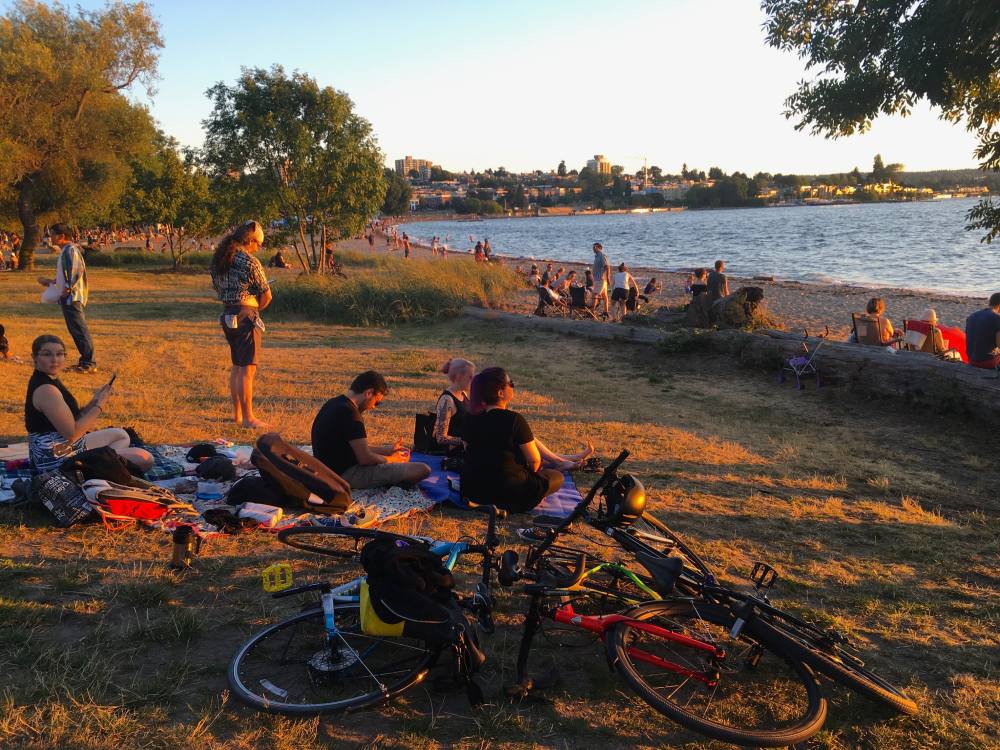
<point>763,577</point>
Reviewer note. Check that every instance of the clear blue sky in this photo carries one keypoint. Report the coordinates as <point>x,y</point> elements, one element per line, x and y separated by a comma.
<point>525,84</point>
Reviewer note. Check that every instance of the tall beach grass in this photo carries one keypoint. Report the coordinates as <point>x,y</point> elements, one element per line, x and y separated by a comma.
<point>394,291</point>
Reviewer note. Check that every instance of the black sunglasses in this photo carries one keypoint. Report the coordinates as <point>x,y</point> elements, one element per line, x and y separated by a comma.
<point>510,382</point>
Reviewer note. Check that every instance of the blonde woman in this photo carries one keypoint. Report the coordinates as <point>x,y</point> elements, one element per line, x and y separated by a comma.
<point>239,280</point>
<point>453,404</point>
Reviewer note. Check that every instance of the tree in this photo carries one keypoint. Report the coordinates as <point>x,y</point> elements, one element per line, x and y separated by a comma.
<point>561,170</point>
<point>714,173</point>
<point>397,194</point>
<point>282,147</point>
<point>169,188</point>
<point>880,57</point>
<point>439,174</point>
<point>655,173</point>
<point>879,173</point>
<point>67,131</point>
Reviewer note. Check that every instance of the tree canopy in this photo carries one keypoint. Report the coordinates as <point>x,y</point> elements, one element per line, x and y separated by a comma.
<point>881,57</point>
<point>67,130</point>
<point>283,147</point>
<point>397,194</point>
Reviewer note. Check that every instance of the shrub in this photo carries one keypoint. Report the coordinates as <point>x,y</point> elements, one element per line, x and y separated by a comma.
<point>141,259</point>
<point>395,291</point>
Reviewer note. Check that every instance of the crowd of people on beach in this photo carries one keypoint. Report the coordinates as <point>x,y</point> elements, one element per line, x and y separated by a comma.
<point>617,291</point>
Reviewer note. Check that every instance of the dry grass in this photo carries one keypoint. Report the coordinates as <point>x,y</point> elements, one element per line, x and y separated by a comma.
<point>880,521</point>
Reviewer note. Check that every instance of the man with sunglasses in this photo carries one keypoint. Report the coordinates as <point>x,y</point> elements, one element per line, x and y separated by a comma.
<point>340,439</point>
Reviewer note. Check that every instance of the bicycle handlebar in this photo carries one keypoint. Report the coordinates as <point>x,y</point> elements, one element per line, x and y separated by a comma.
<point>582,506</point>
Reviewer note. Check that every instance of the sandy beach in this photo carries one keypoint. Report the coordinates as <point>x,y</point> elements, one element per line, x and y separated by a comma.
<point>797,304</point>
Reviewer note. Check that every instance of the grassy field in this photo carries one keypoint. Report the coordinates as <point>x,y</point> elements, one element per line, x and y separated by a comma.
<point>880,520</point>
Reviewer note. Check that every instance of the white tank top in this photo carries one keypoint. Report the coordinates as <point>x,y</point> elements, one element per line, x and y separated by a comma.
<point>620,280</point>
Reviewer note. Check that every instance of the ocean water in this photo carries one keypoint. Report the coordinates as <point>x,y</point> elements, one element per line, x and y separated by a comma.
<point>909,245</point>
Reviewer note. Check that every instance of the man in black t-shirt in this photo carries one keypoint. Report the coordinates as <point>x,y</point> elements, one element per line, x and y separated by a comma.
<point>340,441</point>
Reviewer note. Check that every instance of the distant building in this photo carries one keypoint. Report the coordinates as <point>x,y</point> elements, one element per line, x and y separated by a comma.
<point>599,164</point>
<point>408,164</point>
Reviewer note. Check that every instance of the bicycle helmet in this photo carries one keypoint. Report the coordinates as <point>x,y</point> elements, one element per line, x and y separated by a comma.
<point>624,500</point>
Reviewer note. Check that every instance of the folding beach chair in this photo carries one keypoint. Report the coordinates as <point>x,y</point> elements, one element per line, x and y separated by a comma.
<point>578,304</point>
<point>804,365</point>
<point>549,302</point>
<point>868,330</point>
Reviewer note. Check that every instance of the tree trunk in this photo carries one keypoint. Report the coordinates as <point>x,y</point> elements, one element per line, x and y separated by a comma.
<point>302,237</point>
<point>31,233</point>
<point>324,261</point>
<point>312,245</point>
<point>302,261</point>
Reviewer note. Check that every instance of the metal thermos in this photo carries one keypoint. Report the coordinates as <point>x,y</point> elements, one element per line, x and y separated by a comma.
<point>186,545</point>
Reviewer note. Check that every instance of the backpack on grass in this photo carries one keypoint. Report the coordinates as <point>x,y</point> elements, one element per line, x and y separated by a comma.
<point>298,478</point>
<point>62,498</point>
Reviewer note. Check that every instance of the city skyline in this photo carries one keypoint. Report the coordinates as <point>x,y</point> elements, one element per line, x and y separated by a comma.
<point>524,86</point>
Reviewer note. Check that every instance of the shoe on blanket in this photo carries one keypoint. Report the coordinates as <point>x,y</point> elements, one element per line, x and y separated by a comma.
<point>534,534</point>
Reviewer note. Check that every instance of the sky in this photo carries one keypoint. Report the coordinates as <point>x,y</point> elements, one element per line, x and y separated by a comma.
<point>526,84</point>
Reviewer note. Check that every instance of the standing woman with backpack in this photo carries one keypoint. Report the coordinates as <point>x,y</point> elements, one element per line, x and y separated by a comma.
<point>239,280</point>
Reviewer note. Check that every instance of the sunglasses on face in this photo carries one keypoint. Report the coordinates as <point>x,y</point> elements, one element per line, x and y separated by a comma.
<point>510,382</point>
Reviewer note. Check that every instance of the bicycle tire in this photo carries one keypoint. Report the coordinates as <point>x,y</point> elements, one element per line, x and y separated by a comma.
<point>299,679</point>
<point>334,541</point>
<point>748,694</point>
<point>842,668</point>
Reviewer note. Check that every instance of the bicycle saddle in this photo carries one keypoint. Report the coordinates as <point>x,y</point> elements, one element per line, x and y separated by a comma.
<point>663,569</point>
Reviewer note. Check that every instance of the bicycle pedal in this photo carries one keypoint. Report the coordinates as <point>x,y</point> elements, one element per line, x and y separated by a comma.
<point>763,576</point>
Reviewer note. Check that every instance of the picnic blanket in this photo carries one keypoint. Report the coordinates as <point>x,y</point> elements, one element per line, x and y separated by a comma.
<point>442,487</point>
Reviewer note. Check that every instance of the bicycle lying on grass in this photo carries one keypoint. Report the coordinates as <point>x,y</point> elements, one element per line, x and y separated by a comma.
<point>322,660</point>
<point>695,650</point>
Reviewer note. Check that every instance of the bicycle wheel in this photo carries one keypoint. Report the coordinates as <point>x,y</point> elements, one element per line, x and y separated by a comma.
<point>734,693</point>
<point>290,668</point>
<point>812,646</point>
<point>335,541</point>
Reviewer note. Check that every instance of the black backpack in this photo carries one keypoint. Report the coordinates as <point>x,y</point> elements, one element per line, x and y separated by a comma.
<point>388,560</point>
<point>99,463</point>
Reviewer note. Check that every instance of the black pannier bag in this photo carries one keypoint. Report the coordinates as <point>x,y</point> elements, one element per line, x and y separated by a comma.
<point>296,476</point>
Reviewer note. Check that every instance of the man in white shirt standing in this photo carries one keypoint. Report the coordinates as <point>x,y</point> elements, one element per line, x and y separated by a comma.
<point>71,283</point>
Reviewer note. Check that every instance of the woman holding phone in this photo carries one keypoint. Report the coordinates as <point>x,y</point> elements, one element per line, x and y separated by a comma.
<point>57,425</point>
<point>239,280</point>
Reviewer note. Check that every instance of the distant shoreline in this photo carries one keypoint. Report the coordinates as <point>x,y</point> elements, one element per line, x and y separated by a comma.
<point>640,211</point>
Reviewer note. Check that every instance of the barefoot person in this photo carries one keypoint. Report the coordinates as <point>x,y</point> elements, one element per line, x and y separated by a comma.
<point>239,280</point>
<point>57,426</point>
<point>340,439</point>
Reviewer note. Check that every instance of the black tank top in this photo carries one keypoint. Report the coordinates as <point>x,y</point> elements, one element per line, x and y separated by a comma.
<point>36,421</point>
<point>461,412</point>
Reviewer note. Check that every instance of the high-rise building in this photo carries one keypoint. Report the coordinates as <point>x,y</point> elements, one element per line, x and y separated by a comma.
<point>599,164</point>
<point>408,164</point>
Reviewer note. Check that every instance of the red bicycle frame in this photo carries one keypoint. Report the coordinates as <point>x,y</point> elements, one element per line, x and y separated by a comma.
<point>599,625</point>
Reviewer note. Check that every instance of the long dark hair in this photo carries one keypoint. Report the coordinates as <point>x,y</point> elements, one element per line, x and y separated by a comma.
<point>486,387</point>
<point>222,260</point>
